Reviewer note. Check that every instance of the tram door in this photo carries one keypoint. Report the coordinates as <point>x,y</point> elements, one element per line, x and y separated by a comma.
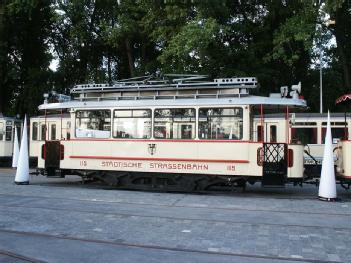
<point>275,164</point>
<point>52,149</point>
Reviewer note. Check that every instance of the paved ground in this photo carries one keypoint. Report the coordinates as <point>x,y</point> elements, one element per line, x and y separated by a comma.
<point>61,220</point>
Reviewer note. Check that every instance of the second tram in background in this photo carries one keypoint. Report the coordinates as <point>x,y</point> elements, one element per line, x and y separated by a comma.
<point>7,133</point>
<point>179,133</point>
<point>308,129</point>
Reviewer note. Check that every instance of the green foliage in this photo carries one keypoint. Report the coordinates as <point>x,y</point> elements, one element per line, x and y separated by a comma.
<point>190,50</point>
<point>101,41</point>
<point>25,55</point>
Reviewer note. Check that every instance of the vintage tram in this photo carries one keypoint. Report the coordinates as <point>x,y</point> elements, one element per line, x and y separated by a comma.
<point>174,133</point>
<point>7,132</point>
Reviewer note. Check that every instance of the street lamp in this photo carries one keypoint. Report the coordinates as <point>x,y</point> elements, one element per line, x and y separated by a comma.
<point>320,83</point>
<point>328,23</point>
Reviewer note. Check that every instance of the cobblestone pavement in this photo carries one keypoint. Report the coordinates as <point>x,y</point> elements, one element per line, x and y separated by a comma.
<point>61,220</point>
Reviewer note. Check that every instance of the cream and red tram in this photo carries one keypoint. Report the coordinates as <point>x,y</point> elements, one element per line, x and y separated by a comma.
<point>175,134</point>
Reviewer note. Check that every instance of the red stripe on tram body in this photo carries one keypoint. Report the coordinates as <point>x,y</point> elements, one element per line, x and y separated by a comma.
<point>152,141</point>
<point>156,159</point>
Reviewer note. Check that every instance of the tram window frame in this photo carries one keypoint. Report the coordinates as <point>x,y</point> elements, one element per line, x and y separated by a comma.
<point>334,131</point>
<point>208,119</point>
<point>273,133</point>
<point>8,133</point>
<point>2,131</point>
<point>259,133</point>
<point>335,123</point>
<point>43,132</point>
<point>134,117</point>
<point>103,127</point>
<point>35,131</point>
<point>68,130</point>
<point>313,138</point>
<point>53,132</point>
<point>176,124</point>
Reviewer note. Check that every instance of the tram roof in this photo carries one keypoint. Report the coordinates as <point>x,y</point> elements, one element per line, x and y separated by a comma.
<point>247,100</point>
<point>9,118</point>
<point>308,115</point>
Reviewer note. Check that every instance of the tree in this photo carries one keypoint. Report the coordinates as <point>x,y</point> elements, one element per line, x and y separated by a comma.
<point>340,11</point>
<point>25,74</point>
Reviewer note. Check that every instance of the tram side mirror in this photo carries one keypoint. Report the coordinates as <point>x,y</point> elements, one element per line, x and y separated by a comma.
<point>284,91</point>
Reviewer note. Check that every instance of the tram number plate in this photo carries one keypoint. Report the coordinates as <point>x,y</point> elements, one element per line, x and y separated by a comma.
<point>312,162</point>
<point>83,163</point>
<point>231,168</point>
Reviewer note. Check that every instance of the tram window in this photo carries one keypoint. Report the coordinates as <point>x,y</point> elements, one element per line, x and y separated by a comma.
<point>93,124</point>
<point>273,133</point>
<point>18,128</point>
<point>174,123</point>
<point>221,123</point>
<point>8,135</point>
<point>1,131</point>
<point>304,135</point>
<point>43,132</point>
<point>134,124</point>
<point>332,123</point>
<point>68,131</point>
<point>306,123</point>
<point>53,132</point>
<point>337,134</point>
<point>259,133</point>
<point>35,131</point>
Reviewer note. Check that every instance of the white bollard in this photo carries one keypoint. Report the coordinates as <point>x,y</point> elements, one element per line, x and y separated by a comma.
<point>15,150</point>
<point>22,173</point>
<point>327,185</point>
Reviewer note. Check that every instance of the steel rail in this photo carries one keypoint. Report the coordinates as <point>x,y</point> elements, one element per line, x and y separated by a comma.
<point>19,256</point>
<point>178,206</point>
<point>176,218</point>
<point>166,248</point>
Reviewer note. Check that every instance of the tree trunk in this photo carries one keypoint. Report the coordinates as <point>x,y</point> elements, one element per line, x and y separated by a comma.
<point>342,42</point>
<point>345,67</point>
<point>2,58</point>
<point>109,73</point>
<point>130,57</point>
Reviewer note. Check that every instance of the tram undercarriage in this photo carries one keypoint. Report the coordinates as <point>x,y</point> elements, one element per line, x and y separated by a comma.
<point>165,181</point>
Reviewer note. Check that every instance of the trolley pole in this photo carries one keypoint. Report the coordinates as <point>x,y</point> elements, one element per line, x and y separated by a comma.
<point>321,83</point>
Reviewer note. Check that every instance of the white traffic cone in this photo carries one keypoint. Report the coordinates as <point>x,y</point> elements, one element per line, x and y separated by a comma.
<point>327,185</point>
<point>15,151</point>
<point>22,173</point>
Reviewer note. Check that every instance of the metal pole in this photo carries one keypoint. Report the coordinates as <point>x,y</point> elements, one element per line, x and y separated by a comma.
<point>321,83</point>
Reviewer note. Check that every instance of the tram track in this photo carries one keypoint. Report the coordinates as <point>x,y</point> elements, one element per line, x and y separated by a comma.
<point>174,205</point>
<point>157,247</point>
<point>20,257</point>
<point>258,194</point>
<point>177,218</point>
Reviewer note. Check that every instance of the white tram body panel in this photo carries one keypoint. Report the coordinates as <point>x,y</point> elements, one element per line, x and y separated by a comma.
<point>169,157</point>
